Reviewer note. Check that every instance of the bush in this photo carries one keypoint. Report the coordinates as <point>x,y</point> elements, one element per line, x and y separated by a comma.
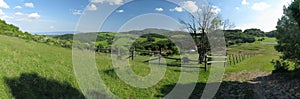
<point>280,66</point>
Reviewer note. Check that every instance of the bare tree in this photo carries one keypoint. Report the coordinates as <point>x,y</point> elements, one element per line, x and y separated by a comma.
<point>226,24</point>
<point>203,21</point>
<point>191,27</point>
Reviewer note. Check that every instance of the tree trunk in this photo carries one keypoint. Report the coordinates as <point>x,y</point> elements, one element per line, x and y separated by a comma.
<point>202,47</point>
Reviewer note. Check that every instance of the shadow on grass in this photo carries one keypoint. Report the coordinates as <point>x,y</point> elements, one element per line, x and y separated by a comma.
<point>170,58</point>
<point>176,65</point>
<point>227,90</point>
<point>111,73</point>
<point>32,86</point>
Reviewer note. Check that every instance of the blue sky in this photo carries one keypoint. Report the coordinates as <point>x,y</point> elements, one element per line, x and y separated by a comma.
<point>64,15</point>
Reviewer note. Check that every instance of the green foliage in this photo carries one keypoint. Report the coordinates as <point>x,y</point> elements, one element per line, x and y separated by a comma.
<point>237,36</point>
<point>271,33</point>
<point>64,37</point>
<point>11,30</point>
<point>151,44</point>
<point>288,33</point>
<point>255,32</point>
<point>280,66</point>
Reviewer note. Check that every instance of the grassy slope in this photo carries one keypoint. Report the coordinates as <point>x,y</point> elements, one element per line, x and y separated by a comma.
<point>21,57</point>
<point>55,63</point>
<point>262,61</point>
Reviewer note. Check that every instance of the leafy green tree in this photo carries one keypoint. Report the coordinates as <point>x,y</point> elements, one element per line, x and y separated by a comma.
<point>288,33</point>
<point>255,32</point>
<point>271,33</point>
<point>237,36</point>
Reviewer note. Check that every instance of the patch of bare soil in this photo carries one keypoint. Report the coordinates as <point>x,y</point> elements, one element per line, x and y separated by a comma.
<point>258,85</point>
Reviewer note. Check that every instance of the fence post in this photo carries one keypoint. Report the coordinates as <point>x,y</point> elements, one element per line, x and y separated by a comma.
<point>225,60</point>
<point>235,58</point>
<point>159,56</point>
<point>132,54</point>
<point>205,62</point>
<point>240,57</point>
<point>229,59</point>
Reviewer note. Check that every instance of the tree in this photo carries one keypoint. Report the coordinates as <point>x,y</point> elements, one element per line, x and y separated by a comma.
<point>226,24</point>
<point>204,20</point>
<point>255,32</point>
<point>237,36</point>
<point>288,33</point>
<point>271,33</point>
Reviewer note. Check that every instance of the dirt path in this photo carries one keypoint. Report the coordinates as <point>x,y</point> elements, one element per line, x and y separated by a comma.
<point>258,85</point>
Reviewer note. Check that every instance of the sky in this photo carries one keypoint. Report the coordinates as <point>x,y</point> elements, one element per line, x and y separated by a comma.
<point>122,15</point>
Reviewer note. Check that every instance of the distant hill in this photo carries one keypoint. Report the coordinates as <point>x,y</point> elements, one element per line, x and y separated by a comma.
<point>69,35</point>
<point>153,31</point>
<point>54,33</point>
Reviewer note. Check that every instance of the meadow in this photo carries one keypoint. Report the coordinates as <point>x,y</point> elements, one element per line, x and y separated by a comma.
<point>37,70</point>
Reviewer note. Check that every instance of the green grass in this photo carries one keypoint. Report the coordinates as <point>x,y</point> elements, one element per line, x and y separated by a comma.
<point>141,68</point>
<point>267,39</point>
<point>262,61</point>
<point>42,67</point>
<point>21,58</point>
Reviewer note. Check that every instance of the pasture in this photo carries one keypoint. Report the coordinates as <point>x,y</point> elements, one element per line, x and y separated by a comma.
<point>30,69</point>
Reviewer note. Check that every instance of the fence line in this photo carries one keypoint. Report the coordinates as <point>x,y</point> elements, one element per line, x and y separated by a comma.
<point>234,59</point>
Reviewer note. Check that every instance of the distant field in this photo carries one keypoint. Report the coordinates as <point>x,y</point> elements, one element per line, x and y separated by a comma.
<point>28,68</point>
<point>262,61</point>
<point>267,39</point>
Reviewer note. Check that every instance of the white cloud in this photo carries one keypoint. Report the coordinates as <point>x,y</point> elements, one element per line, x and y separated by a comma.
<point>3,4</point>
<point>5,17</point>
<point>97,1</point>
<point>178,9</point>
<point>260,6</point>
<point>237,8</point>
<point>1,12</point>
<point>216,9</point>
<point>34,16</point>
<point>52,27</point>
<point>244,2</point>
<point>111,2</point>
<point>19,16</point>
<point>159,9</point>
<point>18,7</point>
<point>266,20</point>
<point>19,13</point>
<point>285,2</point>
<point>30,5</point>
<point>76,12</point>
<point>190,6</point>
<point>92,7</point>
<point>120,11</point>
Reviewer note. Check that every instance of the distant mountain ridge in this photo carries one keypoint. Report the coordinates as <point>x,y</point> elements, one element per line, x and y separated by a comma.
<point>54,33</point>
<point>145,31</point>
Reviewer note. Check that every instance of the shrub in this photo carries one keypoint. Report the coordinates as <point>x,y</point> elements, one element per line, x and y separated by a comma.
<point>280,65</point>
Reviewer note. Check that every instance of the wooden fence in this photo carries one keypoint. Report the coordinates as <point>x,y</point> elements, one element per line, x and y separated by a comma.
<point>234,59</point>
<point>206,60</point>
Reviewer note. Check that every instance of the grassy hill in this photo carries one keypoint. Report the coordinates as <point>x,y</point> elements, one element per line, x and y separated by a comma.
<point>28,67</point>
<point>37,70</point>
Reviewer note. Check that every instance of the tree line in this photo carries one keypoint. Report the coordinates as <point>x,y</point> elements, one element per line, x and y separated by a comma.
<point>288,37</point>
